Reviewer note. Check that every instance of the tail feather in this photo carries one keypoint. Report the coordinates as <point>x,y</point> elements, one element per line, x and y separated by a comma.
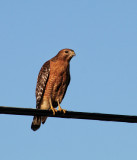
<point>36,123</point>
<point>43,119</point>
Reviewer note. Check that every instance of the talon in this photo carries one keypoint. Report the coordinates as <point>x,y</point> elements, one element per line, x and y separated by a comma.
<point>64,111</point>
<point>52,108</point>
<point>60,109</point>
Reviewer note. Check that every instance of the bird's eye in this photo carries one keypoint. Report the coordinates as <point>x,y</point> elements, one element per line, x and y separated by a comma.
<point>66,51</point>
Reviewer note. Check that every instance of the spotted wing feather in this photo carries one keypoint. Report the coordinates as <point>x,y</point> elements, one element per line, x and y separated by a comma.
<point>41,82</point>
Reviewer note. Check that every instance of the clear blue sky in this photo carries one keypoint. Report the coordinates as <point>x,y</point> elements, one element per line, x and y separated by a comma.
<point>103,77</point>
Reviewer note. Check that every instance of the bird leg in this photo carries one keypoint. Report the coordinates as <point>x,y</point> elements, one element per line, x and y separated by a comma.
<point>59,107</point>
<point>52,108</point>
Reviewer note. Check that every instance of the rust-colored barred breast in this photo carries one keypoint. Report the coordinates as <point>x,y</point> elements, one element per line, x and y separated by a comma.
<point>59,79</point>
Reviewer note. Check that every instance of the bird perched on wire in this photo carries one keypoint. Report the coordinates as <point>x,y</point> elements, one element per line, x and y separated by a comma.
<point>52,83</point>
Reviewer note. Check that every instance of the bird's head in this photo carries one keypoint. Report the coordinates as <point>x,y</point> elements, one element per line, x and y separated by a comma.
<point>66,54</point>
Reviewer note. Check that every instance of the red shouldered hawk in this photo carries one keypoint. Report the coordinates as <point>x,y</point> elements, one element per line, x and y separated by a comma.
<point>52,83</point>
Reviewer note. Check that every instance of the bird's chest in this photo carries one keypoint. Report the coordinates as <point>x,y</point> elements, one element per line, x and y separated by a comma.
<point>58,80</point>
<point>59,71</point>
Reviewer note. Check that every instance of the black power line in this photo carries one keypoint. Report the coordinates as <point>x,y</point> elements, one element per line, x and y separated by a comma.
<point>69,114</point>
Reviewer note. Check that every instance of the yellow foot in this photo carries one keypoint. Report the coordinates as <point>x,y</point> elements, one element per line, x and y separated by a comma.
<point>53,110</point>
<point>60,109</point>
<point>51,107</point>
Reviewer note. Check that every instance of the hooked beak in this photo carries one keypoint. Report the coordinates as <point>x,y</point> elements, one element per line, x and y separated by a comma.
<point>73,53</point>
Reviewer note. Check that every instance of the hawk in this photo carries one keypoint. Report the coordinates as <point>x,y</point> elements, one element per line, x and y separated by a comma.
<point>52,83</point>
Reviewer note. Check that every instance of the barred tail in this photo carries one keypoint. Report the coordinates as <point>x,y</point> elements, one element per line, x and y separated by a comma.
<point>36,123</point>
<point>43,119</point>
